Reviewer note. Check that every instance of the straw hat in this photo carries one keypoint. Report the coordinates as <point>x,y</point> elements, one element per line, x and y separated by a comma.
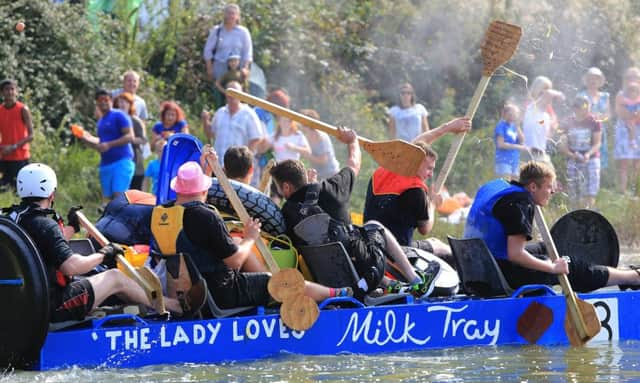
<point>190,179</point>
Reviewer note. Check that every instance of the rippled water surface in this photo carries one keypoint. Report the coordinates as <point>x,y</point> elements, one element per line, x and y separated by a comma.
<point>602,362</point>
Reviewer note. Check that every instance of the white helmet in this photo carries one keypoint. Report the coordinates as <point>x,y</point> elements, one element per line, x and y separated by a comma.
<point>36,180</point>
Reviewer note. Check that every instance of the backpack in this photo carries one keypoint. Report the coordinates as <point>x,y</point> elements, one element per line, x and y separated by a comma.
<point>364,245</point>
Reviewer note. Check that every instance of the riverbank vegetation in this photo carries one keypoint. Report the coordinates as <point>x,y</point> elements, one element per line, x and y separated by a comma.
<point>343,58</point>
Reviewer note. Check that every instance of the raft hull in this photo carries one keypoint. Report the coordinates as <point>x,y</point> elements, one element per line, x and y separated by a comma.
<point>362,330</point>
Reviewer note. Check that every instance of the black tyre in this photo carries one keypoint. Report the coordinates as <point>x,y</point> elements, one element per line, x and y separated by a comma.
<point>24,295</point>
<point>258,205</point>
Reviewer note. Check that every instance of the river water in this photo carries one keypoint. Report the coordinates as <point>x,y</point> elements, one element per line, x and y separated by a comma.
<point>602,362</point>
<point>596,362</point>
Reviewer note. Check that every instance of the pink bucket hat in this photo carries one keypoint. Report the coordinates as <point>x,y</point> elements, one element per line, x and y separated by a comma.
<point>190,179</point>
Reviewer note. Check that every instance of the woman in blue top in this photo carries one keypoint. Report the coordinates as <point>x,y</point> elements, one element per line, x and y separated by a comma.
<point>600,106</point>
<point>171,121</point>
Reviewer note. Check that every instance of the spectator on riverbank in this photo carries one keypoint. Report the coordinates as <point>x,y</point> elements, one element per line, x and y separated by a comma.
<point>509,141</point>
<point>600,106</point>
<point>172,121</point>
<point>322,156</point>
<point>130,84</point>
<point>540,122</point>
<point>125,102</point>
<point>627,156</point>
<point>16,131</point>
<point>224,39</point>
<point>234,124</point>
<point>582,148</point>
<point>115,134</point>
<point>407,119</point>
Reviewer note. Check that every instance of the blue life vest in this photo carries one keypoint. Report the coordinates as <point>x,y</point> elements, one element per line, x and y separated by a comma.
<point>482,224</point>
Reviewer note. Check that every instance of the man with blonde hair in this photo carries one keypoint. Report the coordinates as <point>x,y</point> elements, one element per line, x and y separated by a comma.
<point>502,215</point>
<point>130,84</point>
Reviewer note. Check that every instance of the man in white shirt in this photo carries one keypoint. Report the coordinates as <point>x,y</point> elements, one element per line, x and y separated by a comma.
<point>234,124</point>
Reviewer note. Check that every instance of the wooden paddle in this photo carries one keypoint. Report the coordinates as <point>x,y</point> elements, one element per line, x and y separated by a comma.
<point>500,42</point>
<point>581,322</point>
<point>265,179</point>
<point>145,278</point>
<point>396,155</point>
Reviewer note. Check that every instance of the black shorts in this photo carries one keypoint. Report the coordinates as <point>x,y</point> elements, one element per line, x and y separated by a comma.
<point>239,289</point>
<point>77,301</point>
<point>583,276</point>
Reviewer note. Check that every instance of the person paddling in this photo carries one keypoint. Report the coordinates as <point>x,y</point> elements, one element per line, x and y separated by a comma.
<point>402,203</point>
<point>70,297</point>
<point>202,234</point>
<point>502,215</point>
<point>317,213</point>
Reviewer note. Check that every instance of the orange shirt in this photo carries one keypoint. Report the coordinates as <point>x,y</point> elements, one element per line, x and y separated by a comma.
<point>12,130</point>
<point>388,182</point>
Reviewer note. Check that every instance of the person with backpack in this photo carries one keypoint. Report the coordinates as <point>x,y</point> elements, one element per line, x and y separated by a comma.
<point>318,213</point>
<point>224,39</point>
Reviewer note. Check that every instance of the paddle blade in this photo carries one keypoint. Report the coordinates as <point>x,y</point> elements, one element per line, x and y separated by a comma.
<point>534,322</point>
<point>397,156</point>
<point>500,43</point>
<point>299,313</point>
<point>155,294</point>
<point>285,284</point>
<point>591,321</point>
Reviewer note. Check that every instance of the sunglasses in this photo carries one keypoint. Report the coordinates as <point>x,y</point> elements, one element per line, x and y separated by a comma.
<point>406,92</point>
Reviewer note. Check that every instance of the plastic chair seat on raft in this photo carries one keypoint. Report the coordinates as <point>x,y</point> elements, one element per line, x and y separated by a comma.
<point>478,269</point>
<point>213,308</point>
<point>82,246</point>
<point>331,266</point>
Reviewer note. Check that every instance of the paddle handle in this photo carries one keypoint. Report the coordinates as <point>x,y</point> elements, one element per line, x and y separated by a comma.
<point>281,111</point>
<point>102,241</point>
<point>552,252</point>
<point>265,179</point>
<point>457,141</point>
<point>242,212</point>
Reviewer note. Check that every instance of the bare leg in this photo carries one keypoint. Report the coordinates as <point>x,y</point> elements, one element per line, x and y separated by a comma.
<point>114,282</point>
<point>316,292</point>
<point>397,254</point>
<point>252,264</point>
<point>623,277</point>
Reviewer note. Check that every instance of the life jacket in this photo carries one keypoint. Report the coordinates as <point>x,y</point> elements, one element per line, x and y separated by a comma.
<point>381,202</point>
<point>17,212</point>
<point>170,243</point>
<point>482,224</point>
<point>317,227</point>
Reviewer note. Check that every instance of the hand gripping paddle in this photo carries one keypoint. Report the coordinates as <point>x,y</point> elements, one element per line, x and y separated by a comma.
<point>581,322</point>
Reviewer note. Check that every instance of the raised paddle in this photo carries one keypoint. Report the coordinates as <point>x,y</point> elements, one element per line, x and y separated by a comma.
<point>145,278</point>
<point>284,285</point>
<point>500,42</point>
<point>581,322</point>
<point>397,156</point>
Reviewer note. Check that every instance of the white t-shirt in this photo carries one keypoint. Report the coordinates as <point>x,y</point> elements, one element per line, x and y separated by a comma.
<point>280,150</point>
<point>239,129</point>
<point>536,126</point>
<point>408,121</point>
